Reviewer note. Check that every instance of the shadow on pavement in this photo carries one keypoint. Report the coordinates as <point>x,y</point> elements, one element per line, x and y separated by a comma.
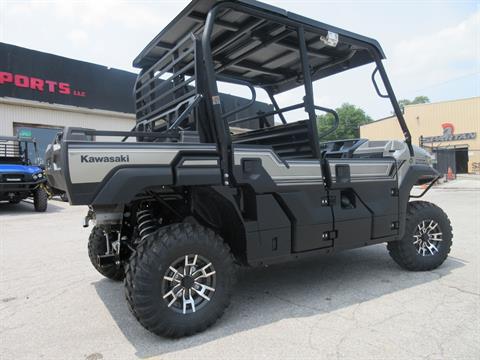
<point>25,207</point>
<point>267,295</point>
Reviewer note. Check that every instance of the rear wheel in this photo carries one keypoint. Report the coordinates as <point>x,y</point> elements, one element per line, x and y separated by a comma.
<point>179,280</point>
<point>427,240</point>
<point>40,200</point>
<point>97,245</point>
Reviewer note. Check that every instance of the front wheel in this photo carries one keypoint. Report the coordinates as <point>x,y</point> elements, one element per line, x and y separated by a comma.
<point>427,240</point>
<point>40,200</point>
<point>179,280</point>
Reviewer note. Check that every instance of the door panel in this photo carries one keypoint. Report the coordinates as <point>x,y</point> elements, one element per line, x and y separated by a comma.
<point>367,206</point>
<point>312,219</point>
<point>298,187</point>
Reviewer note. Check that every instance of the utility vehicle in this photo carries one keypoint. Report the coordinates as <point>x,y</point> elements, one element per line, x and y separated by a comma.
<point>177,209</point>
<point>19,178</point>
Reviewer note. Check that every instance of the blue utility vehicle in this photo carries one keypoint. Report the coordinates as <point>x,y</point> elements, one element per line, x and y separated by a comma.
<point>20,178</point>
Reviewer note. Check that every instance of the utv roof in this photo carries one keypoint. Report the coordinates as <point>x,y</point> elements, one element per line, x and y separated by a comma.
<point>265,42</point>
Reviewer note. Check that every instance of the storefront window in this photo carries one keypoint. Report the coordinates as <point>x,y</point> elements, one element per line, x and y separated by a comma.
<point>43,137</point>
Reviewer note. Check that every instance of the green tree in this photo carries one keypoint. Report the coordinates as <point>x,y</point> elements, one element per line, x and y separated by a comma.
<point>418,100</point>
<point>350,119</point>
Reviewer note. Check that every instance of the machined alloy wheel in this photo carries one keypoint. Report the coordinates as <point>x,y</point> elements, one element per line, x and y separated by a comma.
<point>179,279</point>
<point>427,237</point>
<point>189,283</point>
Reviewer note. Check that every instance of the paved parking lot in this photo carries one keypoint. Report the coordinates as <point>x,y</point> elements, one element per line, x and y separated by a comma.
<point>355,305</point>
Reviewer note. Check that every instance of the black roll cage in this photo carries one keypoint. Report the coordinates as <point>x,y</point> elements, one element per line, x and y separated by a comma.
<point>191,58</point>
<point>9,150</point>
<point>225,144</point>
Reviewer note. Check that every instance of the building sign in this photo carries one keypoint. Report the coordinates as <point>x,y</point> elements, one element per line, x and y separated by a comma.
<point>449,135</point>
<point>25,134</point>
<point>33,75</point>
<point>28,82</point>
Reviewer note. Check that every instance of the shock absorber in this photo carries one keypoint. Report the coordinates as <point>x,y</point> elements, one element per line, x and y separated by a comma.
<point>147,223</point>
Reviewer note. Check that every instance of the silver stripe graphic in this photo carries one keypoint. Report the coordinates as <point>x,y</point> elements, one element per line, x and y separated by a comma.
<point>298,172</point>
<point>92,172</point>
<point>364,170</point>
<point>142,146</point>
<point>306,182</point>
<point>144,154</point>
<point>200,163</point>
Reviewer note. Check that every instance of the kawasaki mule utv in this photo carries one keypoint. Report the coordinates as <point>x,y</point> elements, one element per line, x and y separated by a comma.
<point>19,179</point>
<point>198,192</point>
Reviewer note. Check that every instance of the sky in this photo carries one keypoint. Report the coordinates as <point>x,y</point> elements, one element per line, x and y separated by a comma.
<point>432,47</point>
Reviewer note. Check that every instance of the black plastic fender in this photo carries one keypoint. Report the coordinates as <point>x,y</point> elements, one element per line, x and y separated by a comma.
<point>125,183</point>
<point>414,175</point>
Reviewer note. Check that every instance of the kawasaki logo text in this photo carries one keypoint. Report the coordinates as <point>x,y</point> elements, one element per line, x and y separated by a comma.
<point>104,159</point>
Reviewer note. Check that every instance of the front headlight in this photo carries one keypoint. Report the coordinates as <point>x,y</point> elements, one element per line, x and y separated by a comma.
<point>37,176</point>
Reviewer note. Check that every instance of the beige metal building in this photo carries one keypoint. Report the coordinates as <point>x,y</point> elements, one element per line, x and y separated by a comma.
<point>449,129</point>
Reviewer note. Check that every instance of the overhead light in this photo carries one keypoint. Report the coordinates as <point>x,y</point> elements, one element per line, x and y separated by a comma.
<point>331,39</point>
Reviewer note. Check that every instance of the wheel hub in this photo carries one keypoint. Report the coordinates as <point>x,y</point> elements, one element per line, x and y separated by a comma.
<point>189,284</point>
<point>427,238</point>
